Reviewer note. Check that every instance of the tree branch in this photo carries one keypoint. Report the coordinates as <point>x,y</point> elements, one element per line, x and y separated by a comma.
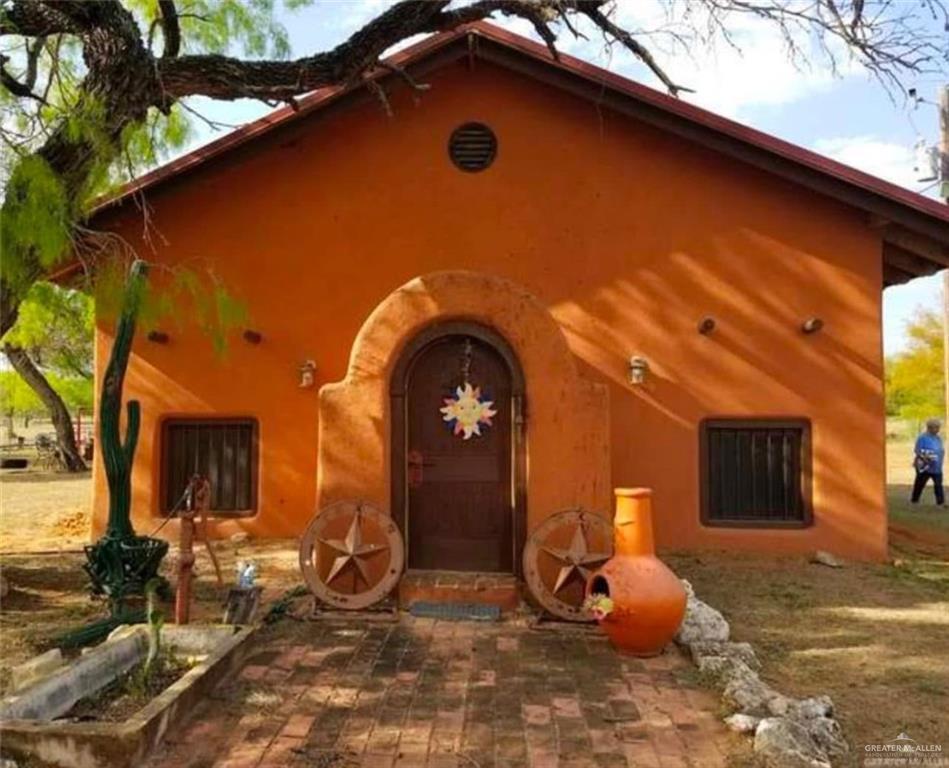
<point>171,30</point>
<point>14,86</point>
<point>31,18</point>
<point>593,12</point>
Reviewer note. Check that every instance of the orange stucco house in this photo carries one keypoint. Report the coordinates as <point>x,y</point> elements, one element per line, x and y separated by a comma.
<point>642,293</point>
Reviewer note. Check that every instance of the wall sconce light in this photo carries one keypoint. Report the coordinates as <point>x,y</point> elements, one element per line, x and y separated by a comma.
<point>307,374</point>
<point>638,368</point>
<point>157,337</point>
<point>252,337</point>
<point>812,325</point>
<point>706,325</point>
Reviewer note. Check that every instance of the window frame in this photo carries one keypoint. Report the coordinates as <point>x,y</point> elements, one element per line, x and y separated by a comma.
<point>169,422</point>
<point>806,473</point>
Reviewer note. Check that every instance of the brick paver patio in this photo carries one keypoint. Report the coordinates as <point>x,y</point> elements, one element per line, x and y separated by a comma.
<point>423,692</point>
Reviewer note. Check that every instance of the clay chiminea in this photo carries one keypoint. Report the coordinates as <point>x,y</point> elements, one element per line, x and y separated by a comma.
<point>648,598</point>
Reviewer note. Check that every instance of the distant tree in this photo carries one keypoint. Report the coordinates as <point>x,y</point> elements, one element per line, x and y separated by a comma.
<point>77,392</point>
<point>53,336</point>
<point>55,326</point>
<point>914,377</point>
<point>17,400</point>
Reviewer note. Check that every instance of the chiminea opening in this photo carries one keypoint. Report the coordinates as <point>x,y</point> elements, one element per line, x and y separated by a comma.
<point>600,586</point>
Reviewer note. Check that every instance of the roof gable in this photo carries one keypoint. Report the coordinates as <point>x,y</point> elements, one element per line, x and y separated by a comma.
<point>914,229</point>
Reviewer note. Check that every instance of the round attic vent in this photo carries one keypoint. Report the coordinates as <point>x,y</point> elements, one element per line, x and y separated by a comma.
<point>472,147</point>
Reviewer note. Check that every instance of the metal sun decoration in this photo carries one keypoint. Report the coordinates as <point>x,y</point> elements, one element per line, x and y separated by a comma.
<point>466,412</point>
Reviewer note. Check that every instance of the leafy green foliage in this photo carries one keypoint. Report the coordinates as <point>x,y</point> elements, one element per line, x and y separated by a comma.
<point>914,377</point>
<point>37,227</point>
<point>18,399</point>
<point>56,326</point>
<point>176,297</point>
<point>222,26</point>
<point>16,396</point>
<point>39,222</point>
<point>147,144</point>
<point>245,24</point>
<point>76,392</point>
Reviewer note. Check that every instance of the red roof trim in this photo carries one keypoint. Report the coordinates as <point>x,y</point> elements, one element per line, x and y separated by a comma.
<point>305,104</point>
<point>717,123</point>
<point>573,65</point>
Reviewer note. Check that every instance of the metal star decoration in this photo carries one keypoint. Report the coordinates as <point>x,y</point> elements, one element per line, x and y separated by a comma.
<point>577,560</point>
<point>353,553</point>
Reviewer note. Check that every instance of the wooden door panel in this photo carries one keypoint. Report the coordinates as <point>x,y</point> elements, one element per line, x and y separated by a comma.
<point>445,468</point>
<point>459,496</point>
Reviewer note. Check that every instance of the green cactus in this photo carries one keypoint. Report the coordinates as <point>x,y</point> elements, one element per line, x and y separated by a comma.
<point>117,456</point>
<point>121,563</point>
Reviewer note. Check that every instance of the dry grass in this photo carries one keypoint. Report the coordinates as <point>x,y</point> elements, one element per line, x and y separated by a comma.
<point>873,637</point>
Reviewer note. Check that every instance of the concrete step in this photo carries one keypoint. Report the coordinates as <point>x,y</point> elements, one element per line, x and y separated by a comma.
<point>501,589</point>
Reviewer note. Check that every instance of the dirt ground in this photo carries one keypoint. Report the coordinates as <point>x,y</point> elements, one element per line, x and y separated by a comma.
<point>44,511</point>
<point>49,593</point>
<point>874,637</point>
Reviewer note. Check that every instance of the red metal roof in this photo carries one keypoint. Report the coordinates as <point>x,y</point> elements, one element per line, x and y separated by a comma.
<point>601,77</point>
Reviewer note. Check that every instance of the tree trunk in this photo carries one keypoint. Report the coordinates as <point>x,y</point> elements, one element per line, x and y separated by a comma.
<point>62,421</point>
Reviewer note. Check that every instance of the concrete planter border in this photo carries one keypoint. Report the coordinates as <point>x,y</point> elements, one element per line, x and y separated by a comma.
<point>117,745</point>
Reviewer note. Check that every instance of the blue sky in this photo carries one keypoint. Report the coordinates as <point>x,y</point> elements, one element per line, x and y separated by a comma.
<point>850,118</point>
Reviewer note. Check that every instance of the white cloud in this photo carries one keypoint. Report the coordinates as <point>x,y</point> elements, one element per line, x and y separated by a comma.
<point>727,80</point>
<point>872,154</point>
<point>754,70</point>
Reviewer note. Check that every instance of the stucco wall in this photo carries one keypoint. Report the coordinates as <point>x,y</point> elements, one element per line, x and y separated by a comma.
<point>627,236</point>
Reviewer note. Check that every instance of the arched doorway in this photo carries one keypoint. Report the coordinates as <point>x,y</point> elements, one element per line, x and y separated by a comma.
<point>458,493</point>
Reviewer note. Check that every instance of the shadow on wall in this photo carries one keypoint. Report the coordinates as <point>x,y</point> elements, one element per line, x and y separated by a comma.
<point>756,363</point>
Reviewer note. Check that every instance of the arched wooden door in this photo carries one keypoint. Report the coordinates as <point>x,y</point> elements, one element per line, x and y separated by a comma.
<point>458,493</point>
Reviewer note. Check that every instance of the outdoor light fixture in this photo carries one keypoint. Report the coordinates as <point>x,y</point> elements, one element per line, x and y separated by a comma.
<point>638,368</point>
<point>157,337</point>
<point>706,325</point>
<point>252,337</point>
<point>307,374</point>
<point>812,325</point>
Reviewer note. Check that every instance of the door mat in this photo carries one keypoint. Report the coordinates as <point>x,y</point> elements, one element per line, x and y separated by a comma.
<point>456,611</point>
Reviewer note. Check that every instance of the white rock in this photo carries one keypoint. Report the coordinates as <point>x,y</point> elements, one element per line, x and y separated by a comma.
<point>783,743</point>
<point>745,692</point>
<point>25,674</point>
<point>702,623</point>
<point>822,557</point>
<point>125,630</point>
<point>742,723</point>
<point>817,706</point>
<point>715,666</point>
<point>817,716</point>
<point>788,733</point>
<point>733,651</point>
